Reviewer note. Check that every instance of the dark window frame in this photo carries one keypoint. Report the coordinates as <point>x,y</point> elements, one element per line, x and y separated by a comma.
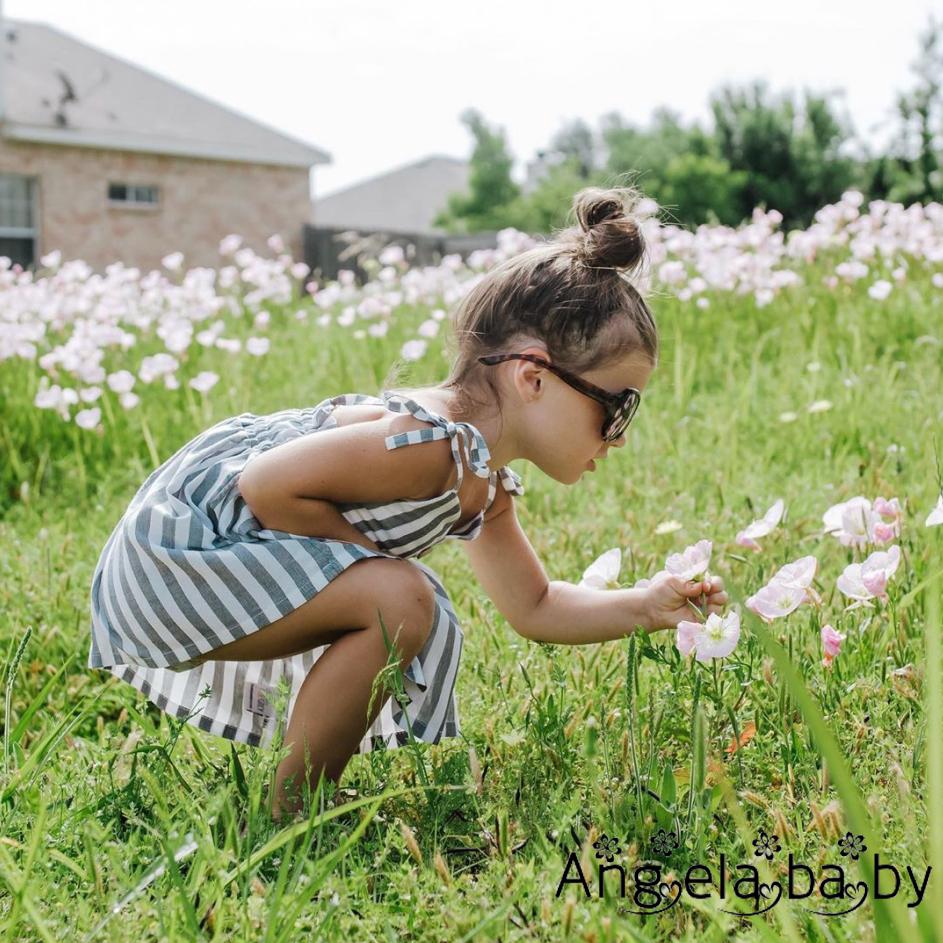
<point>136,195</point>
<point>30,232</point>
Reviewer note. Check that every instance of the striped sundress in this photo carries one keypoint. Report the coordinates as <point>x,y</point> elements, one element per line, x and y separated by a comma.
<point>188,568</point>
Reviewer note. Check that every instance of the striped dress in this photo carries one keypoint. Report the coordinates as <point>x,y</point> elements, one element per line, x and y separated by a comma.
<point>188,568</point>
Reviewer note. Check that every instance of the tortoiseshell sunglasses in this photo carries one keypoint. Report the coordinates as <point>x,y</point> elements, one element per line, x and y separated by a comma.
<point>620,407</point>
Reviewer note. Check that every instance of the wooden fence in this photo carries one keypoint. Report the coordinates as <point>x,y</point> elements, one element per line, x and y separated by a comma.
<point>329,249</point>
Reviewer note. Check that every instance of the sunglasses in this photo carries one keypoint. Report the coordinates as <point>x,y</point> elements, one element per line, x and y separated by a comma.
<point>620,407</point>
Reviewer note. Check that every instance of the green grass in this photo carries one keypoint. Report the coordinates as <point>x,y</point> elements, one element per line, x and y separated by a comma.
<point>101,793</point>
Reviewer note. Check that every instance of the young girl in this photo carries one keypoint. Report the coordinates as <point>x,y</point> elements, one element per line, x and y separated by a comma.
<point>234,565</point>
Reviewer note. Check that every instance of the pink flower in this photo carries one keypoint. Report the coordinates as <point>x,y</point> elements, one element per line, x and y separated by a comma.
<point>935,517</point>
<point>761,527</point>
<point>886,527</point>
<point>831,644</point>
<point>684,637</point>
<point>776,600</point>
<point>856,522</point>
<point>413,349</point>
<point>789,588</point>
<point>715,638</point>
<point>865,581</point>
<point>850,521</point>
<point>692,562</point>
<point>800,573</point>
<point>603,572</point>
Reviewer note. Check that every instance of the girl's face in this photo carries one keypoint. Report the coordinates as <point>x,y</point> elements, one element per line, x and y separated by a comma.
<point>562,427</point>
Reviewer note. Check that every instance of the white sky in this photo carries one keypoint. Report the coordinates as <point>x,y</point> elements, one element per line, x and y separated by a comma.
<point>380,83</point>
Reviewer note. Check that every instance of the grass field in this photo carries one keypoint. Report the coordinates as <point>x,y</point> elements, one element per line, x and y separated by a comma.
<point>120,823</point>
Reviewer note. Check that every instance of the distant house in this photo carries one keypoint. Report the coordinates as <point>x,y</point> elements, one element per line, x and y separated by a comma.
<point>405,199</point>
<point>107,161</point>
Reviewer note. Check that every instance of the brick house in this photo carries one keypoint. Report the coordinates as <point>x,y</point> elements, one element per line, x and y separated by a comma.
<point>106,161</point>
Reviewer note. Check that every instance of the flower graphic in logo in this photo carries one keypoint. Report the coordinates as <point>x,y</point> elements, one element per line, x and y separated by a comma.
<point>766,845</point>
<point>852,845</point>
<point>606,847</point>
<point>664,843</point>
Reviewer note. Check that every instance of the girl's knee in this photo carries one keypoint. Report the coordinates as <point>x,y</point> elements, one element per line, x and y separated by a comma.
<point>406,604</point>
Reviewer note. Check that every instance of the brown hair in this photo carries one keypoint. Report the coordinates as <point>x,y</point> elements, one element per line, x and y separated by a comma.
<point>569,292</point>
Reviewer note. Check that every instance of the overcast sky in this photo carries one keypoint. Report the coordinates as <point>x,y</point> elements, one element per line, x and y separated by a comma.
<point>378,84</point>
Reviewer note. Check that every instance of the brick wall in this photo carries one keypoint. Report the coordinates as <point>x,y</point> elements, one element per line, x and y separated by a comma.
<point>200,202</point>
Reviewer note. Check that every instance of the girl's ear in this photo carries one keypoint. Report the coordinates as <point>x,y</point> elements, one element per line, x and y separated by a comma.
<point>528,375</point>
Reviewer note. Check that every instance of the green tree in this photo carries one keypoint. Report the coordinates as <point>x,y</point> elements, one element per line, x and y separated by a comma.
<point>792,156</point>
<point>547,206</point>
<point>700,188</point>
<point>917,148</point>
<point>676,165</point>
<point>490,186</point>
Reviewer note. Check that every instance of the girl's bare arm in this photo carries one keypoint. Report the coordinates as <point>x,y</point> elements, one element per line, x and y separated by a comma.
<point>296,486</point>
<point>540,609</point>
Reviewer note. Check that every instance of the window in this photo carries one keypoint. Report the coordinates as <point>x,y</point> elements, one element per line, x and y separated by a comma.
<point>132,194</point>
<point>18,218</point>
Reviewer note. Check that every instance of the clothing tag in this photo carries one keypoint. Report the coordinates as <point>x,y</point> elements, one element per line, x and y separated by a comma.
<point>257,702</point>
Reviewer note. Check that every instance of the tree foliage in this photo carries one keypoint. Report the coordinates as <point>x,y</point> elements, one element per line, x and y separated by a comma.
<point>762,149</point>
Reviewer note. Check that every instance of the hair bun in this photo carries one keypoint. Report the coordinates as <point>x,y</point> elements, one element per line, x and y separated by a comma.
<point>611,236</point>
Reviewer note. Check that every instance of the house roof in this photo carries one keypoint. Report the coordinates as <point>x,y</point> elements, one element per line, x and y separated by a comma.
<point>57,89</point>
<point>405,199</point>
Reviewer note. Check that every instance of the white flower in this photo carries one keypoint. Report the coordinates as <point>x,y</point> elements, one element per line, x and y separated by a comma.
<point>229,244</point>
<point>692,562</point>
<point>820,406</point>
<point>762,527</point>
<point>257,345</point>
<point>935,517</point>
<point>155,366</point>
<point>799,573</point>
<point>413,350</point>
<point>88,418</point>
<point>204,381</point>
<point>865,581</point>
<point>880,289</point>
<point>668,527</point>
<point>428,328</point>
<point>173,261</point>
<point>717,637</point>
<point>391,255</point>
<point>850,521</point>
<point>788,416</point>
<point>603,572</point>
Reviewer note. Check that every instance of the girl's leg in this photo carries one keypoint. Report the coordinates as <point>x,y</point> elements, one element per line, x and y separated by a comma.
<point>330,714</point>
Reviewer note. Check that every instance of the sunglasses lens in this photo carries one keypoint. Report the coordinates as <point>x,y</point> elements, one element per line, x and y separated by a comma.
<point>622,417</point>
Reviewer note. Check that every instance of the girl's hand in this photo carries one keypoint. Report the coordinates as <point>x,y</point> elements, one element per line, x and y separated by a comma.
<point>669,600</point>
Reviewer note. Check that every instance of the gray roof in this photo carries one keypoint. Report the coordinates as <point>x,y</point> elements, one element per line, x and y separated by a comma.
<point>405,199</point>
<point>121,106</point>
